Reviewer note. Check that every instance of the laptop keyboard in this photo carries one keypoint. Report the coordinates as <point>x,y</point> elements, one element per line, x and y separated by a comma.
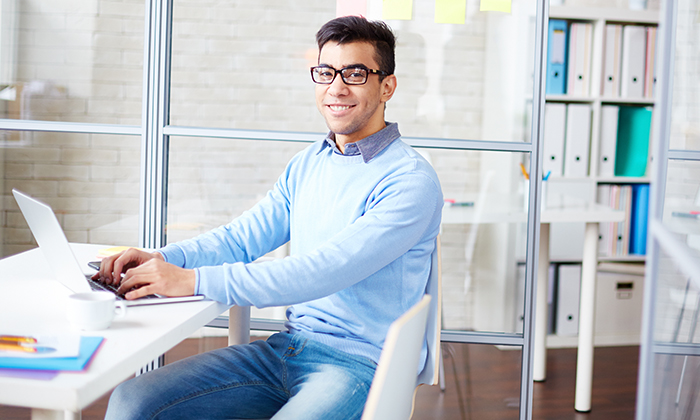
<point>101,287</point>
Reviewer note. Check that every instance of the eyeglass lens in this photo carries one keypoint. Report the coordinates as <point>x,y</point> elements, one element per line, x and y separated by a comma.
<point>350,75</point>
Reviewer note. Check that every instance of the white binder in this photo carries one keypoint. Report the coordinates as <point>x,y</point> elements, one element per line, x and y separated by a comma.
<point>579,68</point>
<point>554,132</point>
<point>650,71</point>
<point>608,139</point>
<point>568,298</point>
<point>634,40</point>
<point>611,61</point>
<point>578,134</point>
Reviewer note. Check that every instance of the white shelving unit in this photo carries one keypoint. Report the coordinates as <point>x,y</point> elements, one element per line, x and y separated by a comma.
<point>599,18</point>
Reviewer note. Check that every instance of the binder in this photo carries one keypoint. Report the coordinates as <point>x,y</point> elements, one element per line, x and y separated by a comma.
<point>579,65</point>
<point>633,61</point>
<point>621,199</point>
<point>576,145</point>
<point>556,57</point>
<point>627,223</point>
<point>608,139</point>
<point>611,61</point>
<point>568,298</point>
<point>649,69</point>
<point>632,150</point>
<point>554,134</point>
<point>604,227</point>
<point>640,215</point>
<point>88,347</point>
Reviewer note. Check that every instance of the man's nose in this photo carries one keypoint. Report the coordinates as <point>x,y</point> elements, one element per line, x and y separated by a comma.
<point>337,86</point>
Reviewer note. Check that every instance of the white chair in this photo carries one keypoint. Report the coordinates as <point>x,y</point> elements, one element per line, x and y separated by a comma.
<point>394,384</point>
<point>393,389</point>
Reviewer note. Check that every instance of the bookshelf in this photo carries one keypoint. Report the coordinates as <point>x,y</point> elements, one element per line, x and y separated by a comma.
<point>599,18</point>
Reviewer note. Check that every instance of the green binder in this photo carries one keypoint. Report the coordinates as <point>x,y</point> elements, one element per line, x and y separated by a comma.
<point>632,150</point>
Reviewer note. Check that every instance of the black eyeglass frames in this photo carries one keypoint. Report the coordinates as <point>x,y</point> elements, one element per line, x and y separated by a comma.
<point>353,75</point>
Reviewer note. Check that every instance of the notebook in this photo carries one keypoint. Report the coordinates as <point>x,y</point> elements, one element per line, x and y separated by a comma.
<point>65,267</point>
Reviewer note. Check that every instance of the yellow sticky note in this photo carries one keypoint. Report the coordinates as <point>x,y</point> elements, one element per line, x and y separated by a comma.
<point>495,6</point>
<point>397,9</point>
<point>450,11</point>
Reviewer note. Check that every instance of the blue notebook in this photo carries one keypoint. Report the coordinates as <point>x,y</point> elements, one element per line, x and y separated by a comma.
<point>557,41</point>
<point>88,347</point>
<point>640,216</point>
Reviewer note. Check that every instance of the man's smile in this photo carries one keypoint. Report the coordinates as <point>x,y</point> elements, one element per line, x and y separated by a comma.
<point>339,108</point>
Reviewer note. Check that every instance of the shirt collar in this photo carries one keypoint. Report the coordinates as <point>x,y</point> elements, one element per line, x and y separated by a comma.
<point>370,146</point>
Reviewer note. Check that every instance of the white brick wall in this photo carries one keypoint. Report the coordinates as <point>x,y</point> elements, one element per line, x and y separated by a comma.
<point>238,64</point>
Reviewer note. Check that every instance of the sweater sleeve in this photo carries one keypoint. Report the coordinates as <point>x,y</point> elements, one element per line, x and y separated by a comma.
<point>400,212</point>
<point>253,234</point>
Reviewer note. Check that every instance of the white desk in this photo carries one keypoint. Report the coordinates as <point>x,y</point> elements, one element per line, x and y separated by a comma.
<point>510,209</point>
<point>130,343</point>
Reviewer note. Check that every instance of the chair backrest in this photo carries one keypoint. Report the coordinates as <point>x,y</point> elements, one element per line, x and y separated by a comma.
<point>391,394</point>
<point>430,373</point>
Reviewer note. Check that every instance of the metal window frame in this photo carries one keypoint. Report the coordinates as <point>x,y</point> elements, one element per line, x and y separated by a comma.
<point>155,133</point>
<point>659,237</point>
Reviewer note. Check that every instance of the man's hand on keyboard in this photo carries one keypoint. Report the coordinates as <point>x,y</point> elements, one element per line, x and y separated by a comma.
<point>113,268</point>
<point>156,277</point>
<point>138,273</point>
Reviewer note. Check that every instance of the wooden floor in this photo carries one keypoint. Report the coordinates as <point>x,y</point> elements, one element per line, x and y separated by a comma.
<point>482,382</point>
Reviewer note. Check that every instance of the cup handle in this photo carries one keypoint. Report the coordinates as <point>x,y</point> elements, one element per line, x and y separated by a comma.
<point>119,309</point>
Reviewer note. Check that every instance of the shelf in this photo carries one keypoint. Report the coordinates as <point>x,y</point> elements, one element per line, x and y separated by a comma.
<point>623,180</point>
<point>623,258</point>
<point>569,98</point>
<point>650,17</point>
<point>629,101</point>
<point>593,99</point>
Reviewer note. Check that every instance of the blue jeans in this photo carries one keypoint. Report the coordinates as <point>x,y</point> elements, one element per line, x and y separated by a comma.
<point>285,377</point>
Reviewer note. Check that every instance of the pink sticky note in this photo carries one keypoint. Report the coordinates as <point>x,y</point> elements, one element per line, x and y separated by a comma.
<point>350,8</point>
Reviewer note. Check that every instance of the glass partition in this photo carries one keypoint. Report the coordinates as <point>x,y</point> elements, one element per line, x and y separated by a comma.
<point>77,61</point>
<point>676,336</point>
<point>90,180</point>
<point>246,65</point>
<point>213,181</point>
<point>685,111</point>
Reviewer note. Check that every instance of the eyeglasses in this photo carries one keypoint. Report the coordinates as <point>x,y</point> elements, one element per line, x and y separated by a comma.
<point>354,75</point>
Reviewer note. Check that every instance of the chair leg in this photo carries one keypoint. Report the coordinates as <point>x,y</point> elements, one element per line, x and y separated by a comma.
<point>441,378</point>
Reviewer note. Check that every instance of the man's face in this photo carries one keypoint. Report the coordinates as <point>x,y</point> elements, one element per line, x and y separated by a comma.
<point>353,112</point>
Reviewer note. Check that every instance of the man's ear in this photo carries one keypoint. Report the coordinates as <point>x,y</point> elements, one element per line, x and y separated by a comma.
<point>388,87</point>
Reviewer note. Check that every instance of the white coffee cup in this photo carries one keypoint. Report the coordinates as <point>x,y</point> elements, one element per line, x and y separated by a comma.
<point>93,310</point>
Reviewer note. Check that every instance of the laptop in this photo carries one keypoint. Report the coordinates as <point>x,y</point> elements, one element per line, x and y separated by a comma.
<point>53,243</point>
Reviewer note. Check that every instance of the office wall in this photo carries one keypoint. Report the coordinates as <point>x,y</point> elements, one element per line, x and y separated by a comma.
<point>242,64</point>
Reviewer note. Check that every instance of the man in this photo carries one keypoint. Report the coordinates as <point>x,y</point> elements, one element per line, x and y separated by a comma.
<point>361,211</point>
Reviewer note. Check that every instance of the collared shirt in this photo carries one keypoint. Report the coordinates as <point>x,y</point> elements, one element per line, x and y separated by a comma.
<point>368,147</point>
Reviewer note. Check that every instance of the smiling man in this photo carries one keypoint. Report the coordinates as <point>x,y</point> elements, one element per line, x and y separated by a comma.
<point>361,211</point>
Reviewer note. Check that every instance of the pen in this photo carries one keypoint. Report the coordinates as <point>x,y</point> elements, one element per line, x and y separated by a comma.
<point>16,347</point>
<point>453,202</point>
<point>17,339</point>
<point>546,177</point>
<point>525,174</point>
<point>26,349</point>
<point>691,215</point>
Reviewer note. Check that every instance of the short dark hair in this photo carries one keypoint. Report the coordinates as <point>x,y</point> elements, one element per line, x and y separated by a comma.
<point>347,29</point>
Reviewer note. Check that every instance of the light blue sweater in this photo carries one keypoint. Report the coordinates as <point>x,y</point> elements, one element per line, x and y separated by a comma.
<point>361,237</point>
